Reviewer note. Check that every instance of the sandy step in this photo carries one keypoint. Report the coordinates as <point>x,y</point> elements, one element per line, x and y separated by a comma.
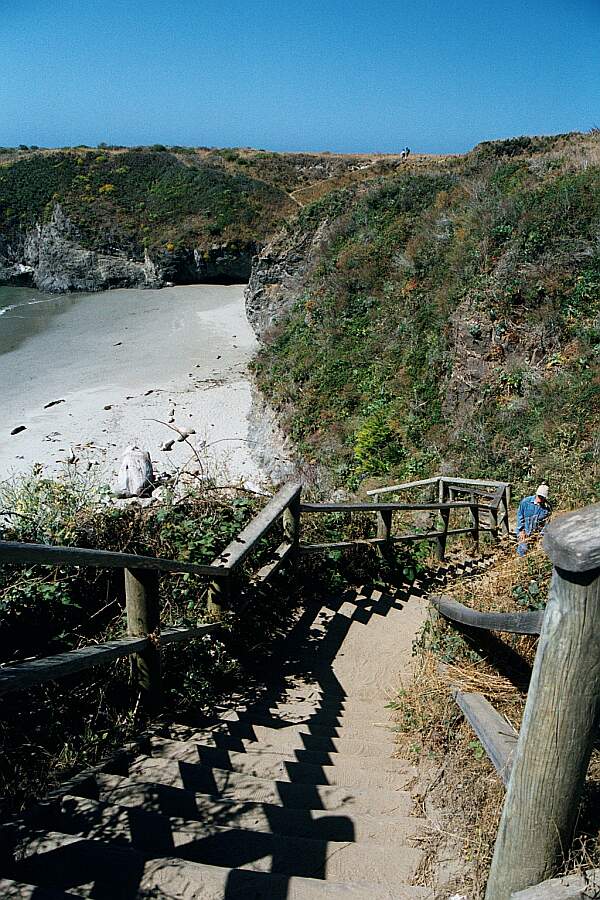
<point>93,869</point>
<point>373,732</point>
<point>17,890</point>
<point>397,775</point>
<point>359,715</point>
<point>235,786</point>
<point>318,824</point>
<point>155,834</point>
<point>221,756</point>
<point>267,738</point>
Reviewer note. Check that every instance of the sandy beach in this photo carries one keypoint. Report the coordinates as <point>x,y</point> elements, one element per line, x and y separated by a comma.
<point>92,374</point>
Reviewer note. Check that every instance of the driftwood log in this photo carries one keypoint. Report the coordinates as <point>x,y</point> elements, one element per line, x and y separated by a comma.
<point>136,477</point>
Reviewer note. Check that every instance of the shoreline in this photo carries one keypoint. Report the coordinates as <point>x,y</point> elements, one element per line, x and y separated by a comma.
<point>115,369</point>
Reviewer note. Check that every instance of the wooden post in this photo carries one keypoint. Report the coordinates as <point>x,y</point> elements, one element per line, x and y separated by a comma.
<point>506,507</point>
<point>494,523</point>
<point>443,534</point>
<point>441,490</point>
<point>143,620</point>
<point>561,714</point>
<point>384,530</point>
<point>291,522</point>
<point>217,597</point>
<point>475,517</point>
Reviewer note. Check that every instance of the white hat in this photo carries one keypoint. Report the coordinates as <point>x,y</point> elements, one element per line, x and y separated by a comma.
<point>542,490</point>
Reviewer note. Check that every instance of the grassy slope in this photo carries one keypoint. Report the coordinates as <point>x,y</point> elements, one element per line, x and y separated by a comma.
<point>162,198</point>
<point>454,317</point>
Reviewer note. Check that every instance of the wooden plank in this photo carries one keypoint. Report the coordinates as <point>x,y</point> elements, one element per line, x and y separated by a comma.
<point>430,535</point>
<point>244,543</point>
<point>407,485</point>
<point>50,668</point>
<point>23,675</point>
<point>182,633</point>
<point>514,623</point>
<point>397,539</point>
<point>569,887</point>
<point>497,737</point>
<point>44,554</point>
<point>380,507</point>
<point>277,560</point>
<point>474,482</point>
<point>340,545</point>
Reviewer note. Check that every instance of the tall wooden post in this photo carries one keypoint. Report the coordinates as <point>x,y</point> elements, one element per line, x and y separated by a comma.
<point>443,534</point>
<point>561,714</point>
<point>291,522</point>
<point>505,503</point>
<point>475,518</point>
<point>218,596</point>
<point>441,490</point>
<point>143,620</point>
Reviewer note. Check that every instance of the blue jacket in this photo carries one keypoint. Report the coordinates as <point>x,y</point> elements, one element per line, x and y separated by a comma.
<point>531,516</point>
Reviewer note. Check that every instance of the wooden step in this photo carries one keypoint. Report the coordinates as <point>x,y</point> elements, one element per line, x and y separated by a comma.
<point>222,755</point>
<point>155,834</point>
<point>235,786</point>
<point>319,824</point>
<point>93,869</point>
<point>284,767</point>
<point>17,890</point>
<point>372,732</point>
<point>267,738</point>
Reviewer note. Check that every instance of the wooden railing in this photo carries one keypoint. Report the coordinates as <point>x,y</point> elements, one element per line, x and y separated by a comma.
<point>544,766</point>
<point>145,636</point>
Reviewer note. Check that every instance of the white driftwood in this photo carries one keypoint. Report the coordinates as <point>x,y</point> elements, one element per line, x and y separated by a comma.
<point>135,478</point>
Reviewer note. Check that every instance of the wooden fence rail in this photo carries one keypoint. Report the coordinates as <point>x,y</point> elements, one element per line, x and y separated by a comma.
<point>141,574</point>
<point>545,765</point>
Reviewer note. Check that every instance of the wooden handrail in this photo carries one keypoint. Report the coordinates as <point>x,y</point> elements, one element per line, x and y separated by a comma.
<point>141,580</point>
<point>235,552</point>
<point>46,554</point>
<point>513,623</point>
<point>24,675</point>
<point>380,507</point>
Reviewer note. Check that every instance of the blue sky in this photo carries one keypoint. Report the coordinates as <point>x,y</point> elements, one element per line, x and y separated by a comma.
<point>329,75</point>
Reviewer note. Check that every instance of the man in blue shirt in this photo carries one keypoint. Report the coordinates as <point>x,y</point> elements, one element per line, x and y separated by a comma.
<point>532,516</point>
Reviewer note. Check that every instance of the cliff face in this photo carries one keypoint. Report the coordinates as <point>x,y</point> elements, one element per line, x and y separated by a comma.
<point>52,257</point>
<point>279,274</point>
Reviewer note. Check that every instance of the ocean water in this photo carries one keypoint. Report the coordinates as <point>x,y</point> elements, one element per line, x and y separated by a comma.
<point>95,373</point>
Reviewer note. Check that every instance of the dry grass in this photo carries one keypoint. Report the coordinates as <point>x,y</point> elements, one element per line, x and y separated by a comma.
<point>462,798</point>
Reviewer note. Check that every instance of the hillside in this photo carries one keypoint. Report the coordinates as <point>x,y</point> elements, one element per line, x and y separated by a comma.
<point>87,219</point>
<point>444,317</point>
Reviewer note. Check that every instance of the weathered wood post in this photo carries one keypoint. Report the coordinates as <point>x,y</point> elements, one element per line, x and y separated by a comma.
<point>441,490</point>
<point>505,503</point>
<point>384,532</point>
<point>475,519</point>
<point>561,714</point>
<point>218,595</point>
<point>291,522</point>
<point>143,620</point>
<point>443,534</point>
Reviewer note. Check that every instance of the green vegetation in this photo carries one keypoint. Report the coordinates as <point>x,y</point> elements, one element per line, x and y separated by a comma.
<point>137,198</point>
<point>453,319</point>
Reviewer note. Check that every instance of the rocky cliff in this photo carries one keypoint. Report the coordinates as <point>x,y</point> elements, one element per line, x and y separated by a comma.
<point>53,257</point>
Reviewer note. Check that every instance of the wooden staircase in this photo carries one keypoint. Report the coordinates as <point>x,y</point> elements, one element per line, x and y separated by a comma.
<point>293,793</point>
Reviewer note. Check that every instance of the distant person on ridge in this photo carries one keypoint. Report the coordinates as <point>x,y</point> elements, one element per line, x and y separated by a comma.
<point>532,516</point>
